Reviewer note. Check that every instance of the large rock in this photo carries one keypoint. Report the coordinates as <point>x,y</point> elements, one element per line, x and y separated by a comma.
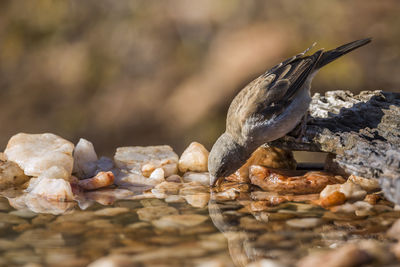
<point>363,131</point>
<point>35,153</point>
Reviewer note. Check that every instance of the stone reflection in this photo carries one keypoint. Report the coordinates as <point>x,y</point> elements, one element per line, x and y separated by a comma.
<point>147,206</point>
<point>293,218</point>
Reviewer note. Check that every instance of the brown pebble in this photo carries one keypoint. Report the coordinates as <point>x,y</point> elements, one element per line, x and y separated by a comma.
<point>102,179</point>
<point>273,180</point>
<point>334,199</point>
<point>372,198</point>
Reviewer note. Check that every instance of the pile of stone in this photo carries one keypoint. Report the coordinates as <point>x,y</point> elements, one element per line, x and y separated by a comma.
<point>51,175</point>
<point>48,168</point>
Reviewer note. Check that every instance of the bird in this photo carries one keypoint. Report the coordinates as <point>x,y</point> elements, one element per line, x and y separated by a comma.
<point>269,107</point>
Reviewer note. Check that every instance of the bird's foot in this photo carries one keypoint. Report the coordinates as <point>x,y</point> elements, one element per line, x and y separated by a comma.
<point>300,129</point>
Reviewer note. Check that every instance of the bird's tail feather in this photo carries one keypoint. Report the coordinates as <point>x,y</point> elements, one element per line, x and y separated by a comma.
<point>333,54</point>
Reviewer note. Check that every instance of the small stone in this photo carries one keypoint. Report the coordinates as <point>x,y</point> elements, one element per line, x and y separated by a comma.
<point>266,263</point>
<point>35,153</point>
<point>166,189</point>
<point>113,260</point>
<point>199,200</point>
<point>251,224</point>
<point>133,159</point>
<point>304,222</point>
<point>346,256</point>
<point>229,194</point>
<point>126,178</point>
<point>270,157</point>
<point>50,189</point>
<point>152,203</point>
<point>108,196</point>
<point>369,185</point>
<point>396,250</point>
<point>102,179</point>
<point>194,158</point>
<point>154,213</point>
<point>4,205</point>
<point>11,175</point>
<point>174,199</point>
<point>349,189</point>
<point>203,178</point>
<point>85,158</point>
<point>27,214</point>
<point>100,223</point>
<point>39,204</point>
<point>11,219</point>
<point>55,172</point>
<point>178,221</point>
<point>372,198</point>
<point>271,180</point>
<point>157,175</point>
<point>363,208</point>
<point>193,188</point>
<point>110,212</point>
<point>352,191</point>
<point>174,179</point>
<point>394,231</point>
<point>42,238</point>
<point>334,199</point>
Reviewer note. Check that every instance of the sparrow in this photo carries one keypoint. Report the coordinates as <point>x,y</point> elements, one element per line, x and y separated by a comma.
<point>268,108</point>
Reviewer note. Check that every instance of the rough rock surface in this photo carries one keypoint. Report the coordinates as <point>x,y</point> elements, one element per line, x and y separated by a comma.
<point>35,153</point>
<point>11,175</point>
<point>361,130</point>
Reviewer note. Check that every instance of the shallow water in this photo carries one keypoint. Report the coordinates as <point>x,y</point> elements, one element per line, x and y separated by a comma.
<point>152,232</point>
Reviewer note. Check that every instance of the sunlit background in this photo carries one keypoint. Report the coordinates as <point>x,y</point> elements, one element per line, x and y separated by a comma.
<point>164,72</point>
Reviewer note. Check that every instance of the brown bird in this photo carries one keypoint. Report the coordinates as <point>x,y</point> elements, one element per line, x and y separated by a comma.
<point>268,108</point>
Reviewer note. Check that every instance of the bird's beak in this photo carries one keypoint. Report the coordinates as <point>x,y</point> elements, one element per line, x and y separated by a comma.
<point>214,180</point>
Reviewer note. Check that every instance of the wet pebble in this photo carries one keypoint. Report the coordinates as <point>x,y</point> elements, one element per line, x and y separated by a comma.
<point>11,175</point>
<point>110,212</point>
<point>202,177</point>
<point>26,214</point>
<point>85,158</point>
<point>153,213</point>
<point>194,158</point>
<point>35,153</point>
<point>177,221</point>
<point>199,200</point>
<point>304,222</point>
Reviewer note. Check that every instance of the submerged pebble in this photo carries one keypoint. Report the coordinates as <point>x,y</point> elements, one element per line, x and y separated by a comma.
<point>304,222</point>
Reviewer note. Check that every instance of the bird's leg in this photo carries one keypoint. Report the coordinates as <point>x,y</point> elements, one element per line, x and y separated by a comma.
<point>300,129</point>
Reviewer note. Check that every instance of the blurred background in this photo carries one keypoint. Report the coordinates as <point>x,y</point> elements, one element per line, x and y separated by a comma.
<point>164,72</point>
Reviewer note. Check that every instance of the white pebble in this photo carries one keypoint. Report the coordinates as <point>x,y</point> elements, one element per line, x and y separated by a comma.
<point>35,153</point>
<point>84,159</point>
<point>194,158</point>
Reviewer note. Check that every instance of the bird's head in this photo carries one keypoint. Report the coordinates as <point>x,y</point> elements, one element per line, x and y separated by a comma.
<point>225,158</point>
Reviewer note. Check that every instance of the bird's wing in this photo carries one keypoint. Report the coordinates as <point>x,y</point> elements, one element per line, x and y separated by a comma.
<point>269,94</point>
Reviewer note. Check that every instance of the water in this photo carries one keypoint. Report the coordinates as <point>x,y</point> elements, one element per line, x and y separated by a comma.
<point>146,231</point>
